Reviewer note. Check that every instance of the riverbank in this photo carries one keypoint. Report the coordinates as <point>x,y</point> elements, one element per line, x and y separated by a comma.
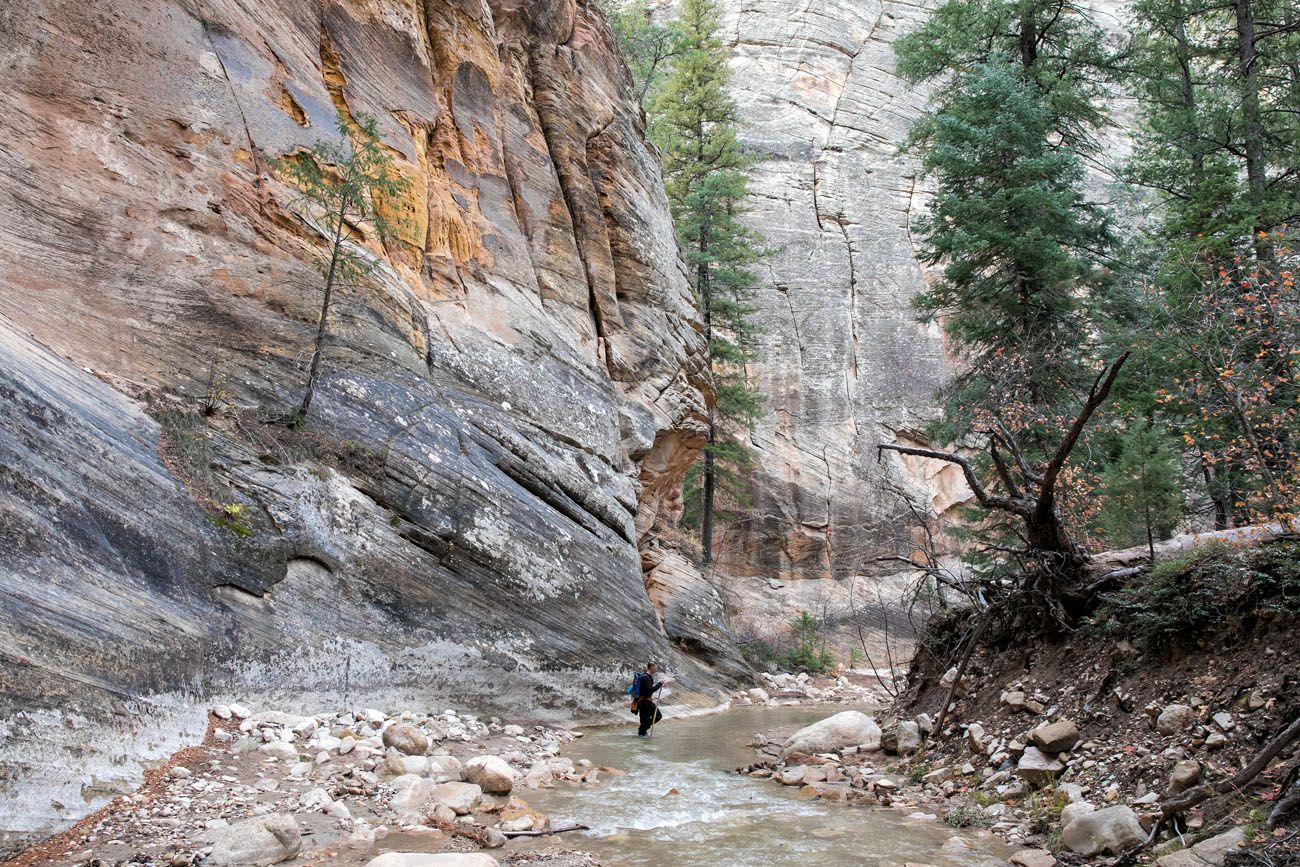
<point>1169,738</point>
<point>270,787</point>
<point>342,788</point>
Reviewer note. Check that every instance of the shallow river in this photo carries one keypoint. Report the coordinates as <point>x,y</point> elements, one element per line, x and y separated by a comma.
<point>723,819</point>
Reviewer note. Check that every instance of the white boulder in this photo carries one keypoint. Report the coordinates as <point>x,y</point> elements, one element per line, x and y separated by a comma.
<point>460,797</point>
<point>490,773</point>
<point>257,842</point>
<point>412,798</point>
<point>844,729</point>
<point>1114,829</point>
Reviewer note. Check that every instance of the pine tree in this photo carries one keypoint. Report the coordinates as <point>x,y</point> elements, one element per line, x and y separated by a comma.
<point>647,46</point>
<point>695,123</point>
<point>1141,489</point>
<point>1218,134</point>
<point>1057,45</point>
<point>1218,146</point>
<point>1026,258</point>
<point>1018,245</point>
<point>1025,254</point>
<point>340,184</point>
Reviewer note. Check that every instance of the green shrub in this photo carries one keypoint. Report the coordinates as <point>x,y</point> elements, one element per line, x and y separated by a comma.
<point>759,652</point>
<point>918,769</point>
<point>807,658</point>
<point>968,816</point>
<point>809,653</point>
<point>1180,598</point>
<point>1044,810</point>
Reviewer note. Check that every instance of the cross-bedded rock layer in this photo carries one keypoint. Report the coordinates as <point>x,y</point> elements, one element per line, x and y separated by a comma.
<point>520,387</point>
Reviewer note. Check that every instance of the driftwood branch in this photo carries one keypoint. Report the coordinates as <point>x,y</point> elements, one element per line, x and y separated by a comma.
<point>548,832</point>
<point>938,574</point>
<point>1288,799</point>
<point>1189,799</point>
<point>1096,397</point>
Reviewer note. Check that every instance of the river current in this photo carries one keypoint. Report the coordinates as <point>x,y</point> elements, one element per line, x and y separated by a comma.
<point>719,818</point>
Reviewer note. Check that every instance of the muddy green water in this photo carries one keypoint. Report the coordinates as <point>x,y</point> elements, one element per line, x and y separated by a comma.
<point>722,819</point>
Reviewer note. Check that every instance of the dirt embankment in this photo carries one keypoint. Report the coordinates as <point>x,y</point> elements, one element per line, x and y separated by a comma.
<point>1178,678</point>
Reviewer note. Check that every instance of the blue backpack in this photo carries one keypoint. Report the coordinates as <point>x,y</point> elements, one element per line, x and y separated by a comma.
<point>631,691</point>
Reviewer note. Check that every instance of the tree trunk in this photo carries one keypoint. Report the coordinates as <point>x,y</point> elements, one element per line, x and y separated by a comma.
<point>710,468</point>
<point>710,480</point>
<point>1028,34</point>
<point>1151,536</point>
<point>1220,501</point>
<point>1256,177</point>
<point>322,326</point>
<point>1188,88</point>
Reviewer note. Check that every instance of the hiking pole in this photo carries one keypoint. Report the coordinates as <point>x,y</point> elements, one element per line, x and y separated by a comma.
<point>657,715</point>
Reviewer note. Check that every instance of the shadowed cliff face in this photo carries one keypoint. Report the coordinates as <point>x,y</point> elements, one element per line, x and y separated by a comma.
<point>519,388</point>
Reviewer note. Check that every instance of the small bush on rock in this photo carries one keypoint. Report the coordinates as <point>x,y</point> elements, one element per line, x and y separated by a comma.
<point>968,816</point>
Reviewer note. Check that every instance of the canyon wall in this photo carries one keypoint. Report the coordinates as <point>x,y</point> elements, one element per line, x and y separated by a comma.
<point>843,365</point>
<point>509,401</point>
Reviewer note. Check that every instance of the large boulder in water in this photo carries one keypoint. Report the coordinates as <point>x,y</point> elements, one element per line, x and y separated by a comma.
<point>846,729</point>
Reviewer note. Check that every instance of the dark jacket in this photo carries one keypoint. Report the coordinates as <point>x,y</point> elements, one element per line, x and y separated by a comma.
<point>646,686</point>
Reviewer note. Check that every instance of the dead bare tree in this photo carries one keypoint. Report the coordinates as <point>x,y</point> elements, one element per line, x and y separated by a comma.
<point>937,583</point>
<point>1030,493</point>
<point>890,686</point>
<point>926,555</point>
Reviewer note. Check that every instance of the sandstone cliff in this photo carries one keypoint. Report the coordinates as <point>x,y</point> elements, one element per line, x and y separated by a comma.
<point>844,364</point>
<point>505,417</point>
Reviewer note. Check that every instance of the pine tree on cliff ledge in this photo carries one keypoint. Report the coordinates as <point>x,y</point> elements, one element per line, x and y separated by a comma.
<point>341,185</point>
<point>695,125</point>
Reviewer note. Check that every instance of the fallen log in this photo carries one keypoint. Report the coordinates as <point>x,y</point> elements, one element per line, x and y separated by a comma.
<point>1128,561</point>
<point>547,832</point>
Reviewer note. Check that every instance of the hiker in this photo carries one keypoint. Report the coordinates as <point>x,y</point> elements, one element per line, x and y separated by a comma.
<point>646,708</point>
